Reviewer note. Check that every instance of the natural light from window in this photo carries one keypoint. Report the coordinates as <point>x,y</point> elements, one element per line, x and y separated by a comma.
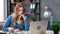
<point>1,9</point>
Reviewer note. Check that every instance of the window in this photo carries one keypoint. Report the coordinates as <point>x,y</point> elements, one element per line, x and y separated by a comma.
<point>1,10</point>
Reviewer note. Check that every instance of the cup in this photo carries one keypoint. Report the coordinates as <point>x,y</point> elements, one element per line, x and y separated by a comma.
<point>10,29</point>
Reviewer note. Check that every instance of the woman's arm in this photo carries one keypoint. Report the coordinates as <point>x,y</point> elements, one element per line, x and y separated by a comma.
<point>6,24</point>
<point>26,23</point>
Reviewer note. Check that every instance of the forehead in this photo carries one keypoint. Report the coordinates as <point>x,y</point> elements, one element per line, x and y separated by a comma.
<point>20,7</point>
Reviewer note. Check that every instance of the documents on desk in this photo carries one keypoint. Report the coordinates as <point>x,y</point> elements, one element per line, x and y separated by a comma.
<point>27,32</point>
<point>22,32</point>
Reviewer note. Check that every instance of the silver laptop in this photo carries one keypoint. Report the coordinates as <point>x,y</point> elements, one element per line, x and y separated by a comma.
<point>38,27</point>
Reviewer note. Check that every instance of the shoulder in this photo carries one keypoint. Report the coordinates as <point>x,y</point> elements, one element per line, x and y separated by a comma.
<point>9,17</point>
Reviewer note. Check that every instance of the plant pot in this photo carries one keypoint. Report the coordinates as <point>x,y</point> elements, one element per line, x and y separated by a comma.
<point>56,31</point>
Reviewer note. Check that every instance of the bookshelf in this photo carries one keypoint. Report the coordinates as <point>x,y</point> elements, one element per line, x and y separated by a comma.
<point>21,2</point>
<point>12,3</point>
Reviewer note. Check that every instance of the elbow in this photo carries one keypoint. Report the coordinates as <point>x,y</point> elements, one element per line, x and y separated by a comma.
<point>4,29</point>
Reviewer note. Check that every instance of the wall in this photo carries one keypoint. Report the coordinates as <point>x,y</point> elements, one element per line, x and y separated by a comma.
<point>54,5</point>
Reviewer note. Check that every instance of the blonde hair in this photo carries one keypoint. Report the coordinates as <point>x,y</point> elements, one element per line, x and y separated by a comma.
<point>15,13</point>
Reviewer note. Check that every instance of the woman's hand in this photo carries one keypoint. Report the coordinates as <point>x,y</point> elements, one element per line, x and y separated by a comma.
<point>17,30</point>
<point>23,16</point>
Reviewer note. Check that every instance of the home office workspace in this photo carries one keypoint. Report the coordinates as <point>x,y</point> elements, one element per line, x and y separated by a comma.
<point>29,17</point>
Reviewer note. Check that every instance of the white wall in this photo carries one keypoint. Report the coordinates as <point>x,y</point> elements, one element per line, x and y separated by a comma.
<point>1,9</point>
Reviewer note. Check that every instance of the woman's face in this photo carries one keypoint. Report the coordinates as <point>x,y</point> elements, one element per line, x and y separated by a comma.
<point>20,10</point>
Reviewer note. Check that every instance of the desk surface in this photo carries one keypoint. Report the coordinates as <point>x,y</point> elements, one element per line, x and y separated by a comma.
<point>25,32</point>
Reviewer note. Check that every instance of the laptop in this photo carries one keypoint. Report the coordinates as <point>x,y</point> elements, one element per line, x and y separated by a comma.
<point>38,27</point>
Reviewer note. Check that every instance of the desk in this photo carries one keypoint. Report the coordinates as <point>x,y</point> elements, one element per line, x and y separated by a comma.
<point>1,25</point>
<point>25,32</point>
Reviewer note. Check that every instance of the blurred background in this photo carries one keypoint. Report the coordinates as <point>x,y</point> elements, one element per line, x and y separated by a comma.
<point>35,7</point>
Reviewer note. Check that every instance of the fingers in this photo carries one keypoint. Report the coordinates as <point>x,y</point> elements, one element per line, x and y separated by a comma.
<point>17,30</point>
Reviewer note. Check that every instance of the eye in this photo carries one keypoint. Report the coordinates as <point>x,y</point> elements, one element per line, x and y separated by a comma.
<point>20,10</point>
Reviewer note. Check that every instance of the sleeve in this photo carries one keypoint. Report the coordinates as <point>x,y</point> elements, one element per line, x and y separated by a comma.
<point>6,24</point>
<point>26,23</point>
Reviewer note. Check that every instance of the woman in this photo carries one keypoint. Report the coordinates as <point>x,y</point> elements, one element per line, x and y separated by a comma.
<point>17,20</point>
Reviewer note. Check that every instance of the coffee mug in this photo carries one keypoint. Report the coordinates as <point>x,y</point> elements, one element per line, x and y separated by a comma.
<point>10,29</point>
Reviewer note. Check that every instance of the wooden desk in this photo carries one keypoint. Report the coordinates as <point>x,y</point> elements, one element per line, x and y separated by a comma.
<point>1,25</point>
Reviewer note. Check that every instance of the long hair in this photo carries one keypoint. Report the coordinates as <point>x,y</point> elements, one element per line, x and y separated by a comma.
<point>15,13</point>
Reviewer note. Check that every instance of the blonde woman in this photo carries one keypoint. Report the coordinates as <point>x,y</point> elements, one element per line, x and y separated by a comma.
<point>17,20</point>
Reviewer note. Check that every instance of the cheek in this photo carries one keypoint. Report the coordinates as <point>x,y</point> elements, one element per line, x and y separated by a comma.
<point>20,12</point>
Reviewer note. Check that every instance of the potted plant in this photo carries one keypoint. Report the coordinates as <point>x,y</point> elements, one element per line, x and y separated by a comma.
<point>55,27</point>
